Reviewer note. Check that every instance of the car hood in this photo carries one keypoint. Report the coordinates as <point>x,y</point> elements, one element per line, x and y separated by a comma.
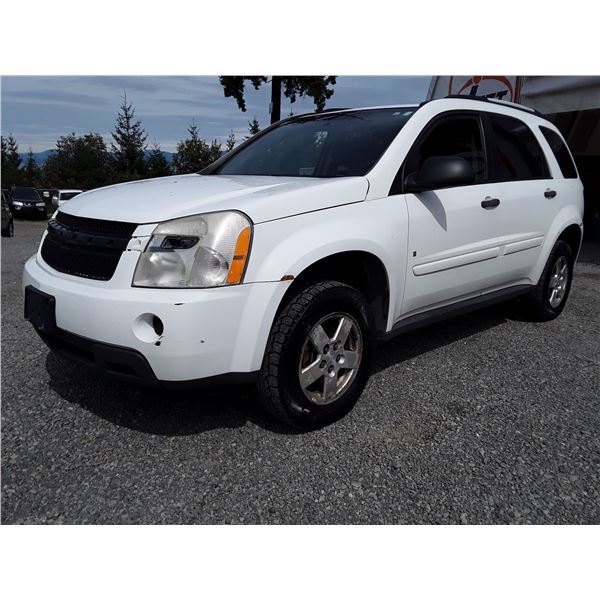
<point>261,198</point>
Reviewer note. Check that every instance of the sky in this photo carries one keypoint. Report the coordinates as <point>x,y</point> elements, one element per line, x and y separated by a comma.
<point>38,110</point>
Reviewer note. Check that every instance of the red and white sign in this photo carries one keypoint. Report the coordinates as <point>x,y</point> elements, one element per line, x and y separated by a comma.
<point>502,87</point>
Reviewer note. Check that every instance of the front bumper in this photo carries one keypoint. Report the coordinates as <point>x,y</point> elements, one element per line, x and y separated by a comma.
<point>126,364</point>
<point>207,333</point>
<point>28,210</point>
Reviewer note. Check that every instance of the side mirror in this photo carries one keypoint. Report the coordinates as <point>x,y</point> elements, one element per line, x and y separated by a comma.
<point>438,172</point>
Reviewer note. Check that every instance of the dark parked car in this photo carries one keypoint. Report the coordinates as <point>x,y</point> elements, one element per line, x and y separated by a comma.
<point>46,194</point>
<point>8,228</point>
<point>26,202</point>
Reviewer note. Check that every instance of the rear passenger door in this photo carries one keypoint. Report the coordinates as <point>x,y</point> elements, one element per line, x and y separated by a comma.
<point>528,197</point>
<point>453,238</point>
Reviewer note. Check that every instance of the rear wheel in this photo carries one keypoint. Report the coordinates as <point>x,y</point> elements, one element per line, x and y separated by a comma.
<point>550,294</point>
<point>317,358</point>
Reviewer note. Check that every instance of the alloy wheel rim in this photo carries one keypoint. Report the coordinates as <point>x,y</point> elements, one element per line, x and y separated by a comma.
<point>330,358</point>
<point>559,279</point>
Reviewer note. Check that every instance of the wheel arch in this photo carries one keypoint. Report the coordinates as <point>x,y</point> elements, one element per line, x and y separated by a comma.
<point>573,235</point>
<point>360,269</point>
<point>567,226</point>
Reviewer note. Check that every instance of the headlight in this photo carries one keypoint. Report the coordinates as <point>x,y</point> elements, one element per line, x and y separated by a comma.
<point>17,203</point>
<point>202,251</point>
<point>40,204</point>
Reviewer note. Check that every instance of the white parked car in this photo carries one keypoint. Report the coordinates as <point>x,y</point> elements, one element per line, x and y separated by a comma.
<point>287,259</point>
<point>61,196</point>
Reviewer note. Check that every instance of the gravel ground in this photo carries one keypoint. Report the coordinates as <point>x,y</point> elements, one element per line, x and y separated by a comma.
<point>483,419</point>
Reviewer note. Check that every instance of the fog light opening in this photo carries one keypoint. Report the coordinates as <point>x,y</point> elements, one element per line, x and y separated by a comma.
<point>158,325</point>
<point>148,328</point>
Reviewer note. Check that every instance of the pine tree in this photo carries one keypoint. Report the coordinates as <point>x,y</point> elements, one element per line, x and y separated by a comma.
<point>194,154</point>
<point>214,151</point>
<point>156,163</point>
<point>31,171</point>
<point>230,143</point>
<point>11,161</point>
<point>317,87</point>
<point>81,162</point>
<point>253,128</point>
<point>129,144</point>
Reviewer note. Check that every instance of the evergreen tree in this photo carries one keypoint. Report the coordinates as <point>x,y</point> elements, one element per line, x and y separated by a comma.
<point>129,144</point>
<point>230,143</point>
<point>31,171</point>
<point>253,127</point>
<point>194,154</point>
<point>11,161</point>
<point>157,164</point>
<point>80,162</point>
<point>317,87</point>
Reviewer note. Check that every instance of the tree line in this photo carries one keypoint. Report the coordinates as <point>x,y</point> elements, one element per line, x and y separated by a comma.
<point>86,161</point>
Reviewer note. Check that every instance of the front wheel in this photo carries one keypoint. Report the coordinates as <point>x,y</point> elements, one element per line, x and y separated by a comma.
<point>317,358</point>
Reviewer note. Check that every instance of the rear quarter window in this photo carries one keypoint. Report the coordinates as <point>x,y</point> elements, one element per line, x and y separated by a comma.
<point>561,153</point>
<point>515,152</point>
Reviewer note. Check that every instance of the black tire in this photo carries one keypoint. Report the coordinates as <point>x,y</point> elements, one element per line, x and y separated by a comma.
<point>9,231</point>
<point>279,389</point>
<point>539,307</point>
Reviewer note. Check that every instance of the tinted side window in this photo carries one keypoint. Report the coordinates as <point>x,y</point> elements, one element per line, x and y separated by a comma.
<point>561,152</point>
<point>451,136</point>
<point>516,152</point>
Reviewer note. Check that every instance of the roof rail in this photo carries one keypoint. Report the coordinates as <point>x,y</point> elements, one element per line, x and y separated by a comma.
<point>493,101</point>
<point>498,101</point>
<point>330,110</point>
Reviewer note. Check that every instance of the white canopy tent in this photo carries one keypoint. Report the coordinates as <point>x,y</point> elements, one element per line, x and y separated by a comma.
<point>548,94</point>
<point>551,94</point>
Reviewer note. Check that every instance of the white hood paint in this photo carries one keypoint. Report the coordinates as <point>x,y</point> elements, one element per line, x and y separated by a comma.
<point>261,198</point>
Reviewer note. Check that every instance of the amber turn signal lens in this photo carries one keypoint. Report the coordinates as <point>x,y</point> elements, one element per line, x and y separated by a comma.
<point>239,256</point>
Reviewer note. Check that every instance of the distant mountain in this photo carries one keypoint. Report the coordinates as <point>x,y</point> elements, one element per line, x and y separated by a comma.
<point>42,157</point>
<point>168,155</point>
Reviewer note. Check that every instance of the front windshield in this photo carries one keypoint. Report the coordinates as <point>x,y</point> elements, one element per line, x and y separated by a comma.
<point>323,145</point>
<point>25,193</point>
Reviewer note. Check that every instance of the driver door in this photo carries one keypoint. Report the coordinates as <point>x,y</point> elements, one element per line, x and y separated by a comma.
<point>453,244</point>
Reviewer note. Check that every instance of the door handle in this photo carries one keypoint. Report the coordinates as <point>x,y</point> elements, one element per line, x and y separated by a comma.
<point>490,202</point>
<point>550,193</point>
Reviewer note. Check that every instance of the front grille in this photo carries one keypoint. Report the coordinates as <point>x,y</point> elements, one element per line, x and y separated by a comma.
<point>113,228</point>
<point>85,247</point>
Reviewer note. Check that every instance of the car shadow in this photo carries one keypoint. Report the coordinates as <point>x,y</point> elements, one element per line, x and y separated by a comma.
<point>155,411</point>
<point>420,341</point>
<point>230,407</point>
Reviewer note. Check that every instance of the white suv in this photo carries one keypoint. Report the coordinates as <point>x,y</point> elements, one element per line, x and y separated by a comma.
<point>61,196</point>
<point>283,262</point>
